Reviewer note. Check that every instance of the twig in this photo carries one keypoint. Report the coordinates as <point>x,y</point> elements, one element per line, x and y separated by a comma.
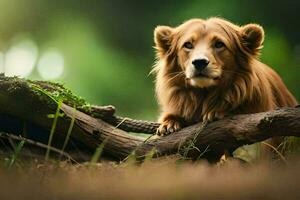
<point>38,144</point>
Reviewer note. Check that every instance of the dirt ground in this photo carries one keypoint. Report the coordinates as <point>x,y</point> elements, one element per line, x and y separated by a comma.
<point>160,179</point>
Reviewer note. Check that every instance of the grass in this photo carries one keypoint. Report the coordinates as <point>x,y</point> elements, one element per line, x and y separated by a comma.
<point>11,162</point>
<point>191,145</point>
<point>149,156</point>
<point>98,152</point>
<point>276,151</point>
<point>69,131</point>
<point>55,119</point>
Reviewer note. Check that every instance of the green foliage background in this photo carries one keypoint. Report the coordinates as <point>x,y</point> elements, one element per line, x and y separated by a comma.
<point>107,45</point>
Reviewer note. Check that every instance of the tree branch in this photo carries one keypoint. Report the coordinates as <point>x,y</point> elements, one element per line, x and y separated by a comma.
<point>20,99</point>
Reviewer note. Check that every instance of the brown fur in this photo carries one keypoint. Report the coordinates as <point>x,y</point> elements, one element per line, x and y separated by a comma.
<point>235,80</point>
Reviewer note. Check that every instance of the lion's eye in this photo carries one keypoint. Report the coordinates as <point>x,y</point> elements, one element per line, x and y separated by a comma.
<point>188,45</point>
<point>219,45</point>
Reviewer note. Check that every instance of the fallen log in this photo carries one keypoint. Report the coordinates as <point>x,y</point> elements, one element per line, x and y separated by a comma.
<point>34,101</point>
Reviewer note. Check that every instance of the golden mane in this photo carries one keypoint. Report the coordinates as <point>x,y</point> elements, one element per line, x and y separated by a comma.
<point>250,86</point>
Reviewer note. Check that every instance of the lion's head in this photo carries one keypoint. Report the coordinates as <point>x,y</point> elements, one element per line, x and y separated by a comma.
<point>205,53</point>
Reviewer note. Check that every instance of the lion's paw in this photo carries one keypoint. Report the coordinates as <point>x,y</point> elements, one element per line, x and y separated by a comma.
<point>168,126</point>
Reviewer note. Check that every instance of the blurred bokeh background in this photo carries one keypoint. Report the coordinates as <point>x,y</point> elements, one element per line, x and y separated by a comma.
<point>102,49</point>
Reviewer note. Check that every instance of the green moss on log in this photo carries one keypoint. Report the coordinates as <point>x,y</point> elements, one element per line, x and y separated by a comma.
<point>49,91</point>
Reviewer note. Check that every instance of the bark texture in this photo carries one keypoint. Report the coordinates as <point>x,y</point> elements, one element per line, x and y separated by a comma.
<point>32,102</point>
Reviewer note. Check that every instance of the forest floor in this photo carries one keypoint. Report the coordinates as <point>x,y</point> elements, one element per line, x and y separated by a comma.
<point>163,178</point>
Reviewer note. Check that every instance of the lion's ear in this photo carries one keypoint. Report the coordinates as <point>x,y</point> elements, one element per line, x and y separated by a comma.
<point>253,37</point>
<point>162,39</point>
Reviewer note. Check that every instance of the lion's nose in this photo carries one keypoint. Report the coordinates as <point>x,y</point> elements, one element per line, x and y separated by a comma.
<point>200,64</point>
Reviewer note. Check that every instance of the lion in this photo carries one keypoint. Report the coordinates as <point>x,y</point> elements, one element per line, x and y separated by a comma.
<point>209,69</point>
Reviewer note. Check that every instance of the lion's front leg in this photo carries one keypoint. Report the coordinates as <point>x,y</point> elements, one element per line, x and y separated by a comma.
<point>213,115</point>
<point>169,123</point>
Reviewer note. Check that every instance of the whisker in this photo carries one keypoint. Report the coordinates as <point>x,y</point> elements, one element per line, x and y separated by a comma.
<point>175,76</point>
<point>176,73</point>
